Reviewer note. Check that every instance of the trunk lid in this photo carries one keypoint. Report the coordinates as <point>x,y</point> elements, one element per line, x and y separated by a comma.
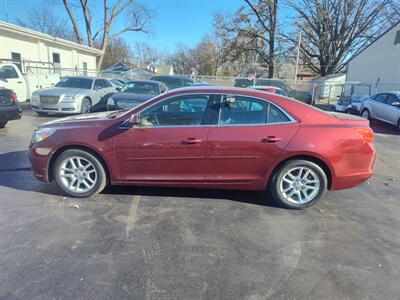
<point>5,97</point>
<point>349,119</point>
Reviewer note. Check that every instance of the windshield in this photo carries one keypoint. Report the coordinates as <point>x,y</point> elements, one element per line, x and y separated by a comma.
<point>8,72</point>
<point>116,82</point>
<point>75,82</point>
<point>140,88</point>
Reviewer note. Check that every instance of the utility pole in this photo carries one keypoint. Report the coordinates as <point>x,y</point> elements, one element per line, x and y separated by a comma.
<point>297,60</point>
<point>6,11</point>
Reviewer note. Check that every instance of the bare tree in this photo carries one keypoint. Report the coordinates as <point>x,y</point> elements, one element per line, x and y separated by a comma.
<point>251,32</point>
<point>43,19</point>
<point>137,17</point>
<point>333,30</point>
<point>180,60</point>
<point>117,51</point>
<point>146,55</point>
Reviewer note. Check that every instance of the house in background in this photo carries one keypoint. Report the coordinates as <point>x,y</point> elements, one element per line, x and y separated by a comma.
<point>330,86</point>
<point>36,52</point>
<point>379,63</point>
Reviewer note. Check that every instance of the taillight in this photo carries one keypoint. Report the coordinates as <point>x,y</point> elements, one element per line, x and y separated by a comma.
<point>13,96</point>
<point>367,134</point>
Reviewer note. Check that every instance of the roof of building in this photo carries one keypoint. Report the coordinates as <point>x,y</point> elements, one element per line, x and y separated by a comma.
<point>43,36</point>
<point>373,42</point>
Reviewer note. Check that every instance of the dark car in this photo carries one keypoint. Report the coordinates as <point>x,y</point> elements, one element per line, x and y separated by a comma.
<point>209,137</point>
<point>9,107</point>
<point>173,82</point>
<point>299,95</point>
<point>134,93</point>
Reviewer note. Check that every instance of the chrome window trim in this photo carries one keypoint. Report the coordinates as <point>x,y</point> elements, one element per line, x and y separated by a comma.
<point>291,119</point>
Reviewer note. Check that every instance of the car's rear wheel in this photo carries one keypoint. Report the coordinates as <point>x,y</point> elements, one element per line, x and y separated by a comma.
<point>298,184</point>
<point>86,106</point>
<point>79,173</point>
<point>365,114</point>
<point>3,123</point>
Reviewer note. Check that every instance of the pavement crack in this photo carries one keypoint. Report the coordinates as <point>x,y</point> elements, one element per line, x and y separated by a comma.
<point>132,216</point>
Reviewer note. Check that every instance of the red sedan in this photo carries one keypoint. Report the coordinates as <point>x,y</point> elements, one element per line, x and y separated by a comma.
<point>209,137</point>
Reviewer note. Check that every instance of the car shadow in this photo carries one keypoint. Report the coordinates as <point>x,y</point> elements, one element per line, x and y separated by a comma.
<point>384,128</point>
<point>16,173</point>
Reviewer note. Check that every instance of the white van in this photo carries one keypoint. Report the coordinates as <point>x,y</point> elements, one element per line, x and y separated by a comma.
<point>24,84</point>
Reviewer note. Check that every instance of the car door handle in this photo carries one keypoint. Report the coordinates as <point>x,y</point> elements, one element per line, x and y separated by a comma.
<point>190,141</point>
<point>271,139</point>
<point>19,81</point>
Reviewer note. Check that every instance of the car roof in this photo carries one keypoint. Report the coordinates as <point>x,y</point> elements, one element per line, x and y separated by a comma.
<point>171,76</point>
<point>86,77</point>
<point>265,87</point>
<point>145,81</point>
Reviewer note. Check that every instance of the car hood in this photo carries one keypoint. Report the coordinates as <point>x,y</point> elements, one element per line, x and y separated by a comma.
<point>58,91</point>
<point>102,116</point>
<point>132,96</point>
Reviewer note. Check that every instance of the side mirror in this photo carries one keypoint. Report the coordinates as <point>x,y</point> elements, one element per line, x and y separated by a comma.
<point>397,104</point>
<point>118,89</point>
<point>98,87</point>
<point>134,119</point>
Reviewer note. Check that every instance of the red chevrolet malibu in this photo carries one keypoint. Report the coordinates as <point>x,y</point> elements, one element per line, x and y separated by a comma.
<point>209,137</point>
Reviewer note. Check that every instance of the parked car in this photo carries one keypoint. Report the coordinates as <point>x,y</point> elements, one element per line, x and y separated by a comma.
<point>269,89</point>
<point>71,95</point>
<point>350,104</point>
<point>24,84</point>
<point>208,137</point>
<point>299,95</point>
<point>173,82</point>
<point>384,107</point>
<point>9,107</point>
<point>134,93</point>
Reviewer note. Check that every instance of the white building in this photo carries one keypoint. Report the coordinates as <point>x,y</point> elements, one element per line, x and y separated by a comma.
<point>379,63</point>
<point>38,52</point>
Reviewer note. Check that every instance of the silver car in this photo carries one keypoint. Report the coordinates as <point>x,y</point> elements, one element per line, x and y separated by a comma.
<point>71,95</point>
<point>384,107</point>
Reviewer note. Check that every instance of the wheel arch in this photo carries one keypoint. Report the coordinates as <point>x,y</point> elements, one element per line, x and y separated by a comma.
<point>58,152</point>
<point>314,159</point>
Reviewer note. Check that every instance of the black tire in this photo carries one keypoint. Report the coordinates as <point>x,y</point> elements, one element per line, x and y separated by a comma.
<point>274,188</point>
<point>86,105</point>
<point>101,178</point>
<point>3,123</point>
<point>41,114</point>
<point>366,114</point>
<point>398,125</point>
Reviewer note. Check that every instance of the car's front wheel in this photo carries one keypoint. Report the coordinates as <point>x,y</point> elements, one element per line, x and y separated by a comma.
<point>298,184</point>
<point>365,114</point>
<point>3,123</point>
<point>86,106</point>
<point>79,173</point>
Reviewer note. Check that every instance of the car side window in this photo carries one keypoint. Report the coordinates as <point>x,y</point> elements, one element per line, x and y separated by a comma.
<point>238,110</point>
<point>107,83</point>
<point>380,98</point>
<point>275,115</point>
<point>99,83</point>
<point>390,99</point>
<point>178,111</point>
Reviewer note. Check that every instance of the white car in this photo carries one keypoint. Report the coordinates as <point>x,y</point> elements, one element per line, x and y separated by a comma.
<point>351,104</point>
<point>71,95</point>
<point>384,107</point>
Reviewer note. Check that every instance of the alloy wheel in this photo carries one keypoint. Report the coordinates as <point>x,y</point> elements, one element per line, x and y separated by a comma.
<point>77,174</point>
<point>300,185</point>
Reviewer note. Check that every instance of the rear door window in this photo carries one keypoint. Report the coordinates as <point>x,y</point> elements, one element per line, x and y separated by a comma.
<point>239,110</point>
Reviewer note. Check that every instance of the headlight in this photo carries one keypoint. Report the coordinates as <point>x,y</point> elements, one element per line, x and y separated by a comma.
<point>35,98</point>
<point>70,98</point>
<point>41,134</point>
<point>110,101</point>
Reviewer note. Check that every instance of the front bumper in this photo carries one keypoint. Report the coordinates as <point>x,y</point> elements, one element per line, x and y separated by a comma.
<point>61,107</point>
<point>9,113</point>
<point>40,156</point>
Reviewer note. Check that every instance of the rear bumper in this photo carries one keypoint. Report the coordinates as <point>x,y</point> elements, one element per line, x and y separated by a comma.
<point>9,113</point>
<point>363,165</point>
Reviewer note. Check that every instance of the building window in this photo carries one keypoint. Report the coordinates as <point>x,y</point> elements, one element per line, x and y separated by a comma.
<point>16,58</point>
<point>397,39</point>
<point>56,58</point>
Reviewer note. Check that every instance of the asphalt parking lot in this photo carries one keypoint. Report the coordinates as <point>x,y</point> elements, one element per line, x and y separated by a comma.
<point>157,243</point>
